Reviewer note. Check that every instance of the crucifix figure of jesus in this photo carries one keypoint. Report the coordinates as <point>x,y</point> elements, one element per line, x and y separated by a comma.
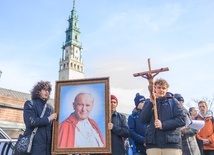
<point>149,75</point>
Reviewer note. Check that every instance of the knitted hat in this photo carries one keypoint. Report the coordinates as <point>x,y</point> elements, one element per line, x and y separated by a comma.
<point>179,97</point>
<point>169,95</point>
<point>138,98</point>
<point>114,98</point>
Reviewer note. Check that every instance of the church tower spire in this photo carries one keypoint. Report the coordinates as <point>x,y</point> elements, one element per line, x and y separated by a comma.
<point>71,64</point>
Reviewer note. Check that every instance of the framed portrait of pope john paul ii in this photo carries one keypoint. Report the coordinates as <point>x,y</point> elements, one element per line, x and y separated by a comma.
<point>83,112</point>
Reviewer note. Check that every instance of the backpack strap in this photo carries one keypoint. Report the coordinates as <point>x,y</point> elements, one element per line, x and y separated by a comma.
<point>35,129</point>
<point>171,104</point>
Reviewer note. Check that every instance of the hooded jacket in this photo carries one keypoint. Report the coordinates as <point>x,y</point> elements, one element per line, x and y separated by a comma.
<point>207,132</point>
<point>137,131</point>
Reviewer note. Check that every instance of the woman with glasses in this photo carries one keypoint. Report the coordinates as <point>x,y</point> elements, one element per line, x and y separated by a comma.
<point>32,112</point>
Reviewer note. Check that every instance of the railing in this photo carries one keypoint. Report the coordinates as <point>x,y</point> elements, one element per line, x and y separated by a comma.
<point>6,143</point>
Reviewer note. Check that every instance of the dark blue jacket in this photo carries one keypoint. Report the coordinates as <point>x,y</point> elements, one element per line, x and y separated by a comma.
<point>171,116</point>
<point>42,139</point>
<point>119,133</point>
<point>137,131</point>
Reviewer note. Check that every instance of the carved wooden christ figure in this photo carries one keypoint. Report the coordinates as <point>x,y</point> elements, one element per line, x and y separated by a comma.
<point>149,75</point>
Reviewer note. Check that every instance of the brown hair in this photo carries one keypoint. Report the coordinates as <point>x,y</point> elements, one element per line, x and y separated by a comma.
<point>38,87</point>
<point>161,82</point>
<point>191,109</point>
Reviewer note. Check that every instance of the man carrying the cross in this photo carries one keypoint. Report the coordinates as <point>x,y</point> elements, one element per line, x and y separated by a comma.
<point>163,136</point>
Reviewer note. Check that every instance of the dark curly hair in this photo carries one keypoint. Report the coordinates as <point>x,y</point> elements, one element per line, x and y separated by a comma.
<point>35,92</point>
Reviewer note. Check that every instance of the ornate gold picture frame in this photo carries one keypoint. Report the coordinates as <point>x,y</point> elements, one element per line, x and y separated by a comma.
<point>76,135</point>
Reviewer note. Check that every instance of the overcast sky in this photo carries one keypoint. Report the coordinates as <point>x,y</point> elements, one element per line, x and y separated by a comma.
<point>118,37</point>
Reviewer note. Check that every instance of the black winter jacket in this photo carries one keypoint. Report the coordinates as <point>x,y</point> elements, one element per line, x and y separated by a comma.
<point>42,139</point>
<point>171,117</point>
<point>119,133</point>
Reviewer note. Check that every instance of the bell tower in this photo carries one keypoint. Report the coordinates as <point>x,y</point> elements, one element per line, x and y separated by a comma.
<point>71,64</point>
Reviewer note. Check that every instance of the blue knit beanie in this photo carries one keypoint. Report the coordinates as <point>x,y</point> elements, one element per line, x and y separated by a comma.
<point>179,97</point>
<point>138,98</point>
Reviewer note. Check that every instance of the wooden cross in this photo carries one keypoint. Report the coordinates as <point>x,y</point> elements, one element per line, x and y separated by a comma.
<point>149,75</point>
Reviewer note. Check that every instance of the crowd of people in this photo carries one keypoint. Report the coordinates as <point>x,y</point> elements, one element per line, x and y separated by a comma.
<point>142,134</point>
<point>171,132</point>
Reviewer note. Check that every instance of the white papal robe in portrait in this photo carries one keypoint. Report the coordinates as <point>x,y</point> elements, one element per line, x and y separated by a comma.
<point>86,135</point>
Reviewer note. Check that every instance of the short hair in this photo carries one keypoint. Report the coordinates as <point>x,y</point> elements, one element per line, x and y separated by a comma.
<point>161,82</point>
<point>35,92</point>
<point>83,93</point>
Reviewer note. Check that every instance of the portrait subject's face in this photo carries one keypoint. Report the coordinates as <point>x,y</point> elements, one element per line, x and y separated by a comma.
<point>83,106</point>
